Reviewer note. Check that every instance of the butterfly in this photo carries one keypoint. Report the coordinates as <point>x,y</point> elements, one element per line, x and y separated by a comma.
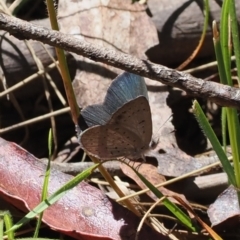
<point>122,125</point>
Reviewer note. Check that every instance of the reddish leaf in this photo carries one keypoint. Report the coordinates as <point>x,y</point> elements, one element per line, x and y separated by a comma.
<point>225,210</point>
<point>84,212</point>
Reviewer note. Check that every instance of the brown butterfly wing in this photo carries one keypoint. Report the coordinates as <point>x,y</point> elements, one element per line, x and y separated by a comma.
<point>127,134</point>
<point>105,143</point>
<point>134,116</point>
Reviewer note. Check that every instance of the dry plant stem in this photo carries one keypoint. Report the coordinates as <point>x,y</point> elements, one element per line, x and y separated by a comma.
<point>12,96</point>
<point>19,110</point>
<point>205,66</point>
<point>171,181</point>
<point>63,66</point>
<point>109,179</point>
<point>14,5</point>
<point>34,120</point>
<point>203,35</point>
<point>144,218</point>
<point>27,80</point>
<point>34,76</point>
<point>218,93</point>
<point>212,233</point>
<point>40,67</point>
<point>45,77</point>
<point>51,82</point>
<point>113,168</point>
<point>159,226</point>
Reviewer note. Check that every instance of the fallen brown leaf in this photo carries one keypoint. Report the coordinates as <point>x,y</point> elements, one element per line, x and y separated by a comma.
<point>83,213</point>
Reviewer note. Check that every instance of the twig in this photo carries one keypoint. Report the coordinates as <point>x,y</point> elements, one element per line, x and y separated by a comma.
<point>113,167</point>
<point>218,93</point>
<point>36,119</point>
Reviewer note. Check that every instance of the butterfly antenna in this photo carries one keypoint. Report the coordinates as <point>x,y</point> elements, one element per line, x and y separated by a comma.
<point>155,140</point>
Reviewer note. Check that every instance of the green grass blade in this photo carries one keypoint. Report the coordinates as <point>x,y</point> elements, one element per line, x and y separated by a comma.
<point>232,117</point>
<point>234,135</point>
<point>1,227</point>
<point>54,197</point>
<point>224,128</point>
<point>235,36</point>
<point>173,208</point>
<point>225,40</point>
<point>7,221</point>
<point>45,182</point>
<point>208,131</point>
<point>223,79</point>
<point>236,127</point>
<point>219,54</point>
<point>63,65</point>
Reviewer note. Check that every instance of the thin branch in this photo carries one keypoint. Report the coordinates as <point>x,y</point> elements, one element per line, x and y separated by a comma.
<point>218,93</point>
